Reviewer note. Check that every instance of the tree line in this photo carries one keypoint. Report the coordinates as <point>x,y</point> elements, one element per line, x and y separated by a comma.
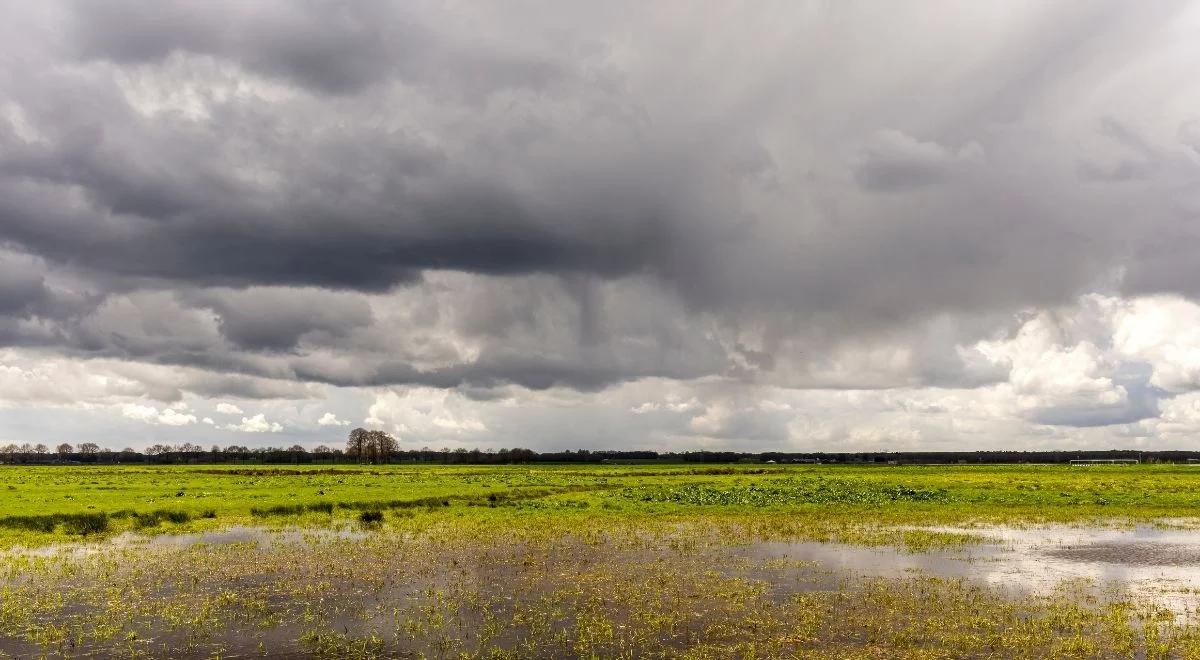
<point>372,446</point>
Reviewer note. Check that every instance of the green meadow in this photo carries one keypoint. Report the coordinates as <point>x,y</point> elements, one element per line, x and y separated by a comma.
<point>35,500</point>
<point>613,560</point>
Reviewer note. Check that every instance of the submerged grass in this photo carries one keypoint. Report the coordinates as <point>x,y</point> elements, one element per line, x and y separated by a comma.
<point>435,588</point>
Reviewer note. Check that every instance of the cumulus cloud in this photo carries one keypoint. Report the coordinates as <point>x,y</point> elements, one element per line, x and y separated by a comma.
<point>255,424</point>
<point>228,409</point>
<point>425,412</point>
<point>329,419</point>
<point>152,415</point>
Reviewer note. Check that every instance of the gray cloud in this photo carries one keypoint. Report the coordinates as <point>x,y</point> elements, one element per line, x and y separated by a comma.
<point>374,194</point>
<point>276,319</point>
<point>328,47</point>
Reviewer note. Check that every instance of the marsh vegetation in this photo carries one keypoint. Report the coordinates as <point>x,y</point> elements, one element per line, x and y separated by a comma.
<point>600,561</point>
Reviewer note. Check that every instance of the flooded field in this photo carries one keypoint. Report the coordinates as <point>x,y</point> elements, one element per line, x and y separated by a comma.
<point>636,592</point>
<point>627,563</point>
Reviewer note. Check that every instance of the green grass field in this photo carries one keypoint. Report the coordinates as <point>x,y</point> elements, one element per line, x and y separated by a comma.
<point>552,561</point>
<point>35,500</point>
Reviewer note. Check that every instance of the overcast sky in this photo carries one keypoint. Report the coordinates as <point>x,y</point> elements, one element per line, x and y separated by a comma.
<point>783,225</point>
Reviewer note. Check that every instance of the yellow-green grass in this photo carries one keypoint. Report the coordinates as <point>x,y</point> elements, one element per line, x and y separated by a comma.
<point>47,504</point>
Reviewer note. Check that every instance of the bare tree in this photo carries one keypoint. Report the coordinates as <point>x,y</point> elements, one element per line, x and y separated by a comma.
<point>357,443</point>
<point>64,449</point>
<point>89,448</point>
<point>40,449</point>
<point>379,446</point>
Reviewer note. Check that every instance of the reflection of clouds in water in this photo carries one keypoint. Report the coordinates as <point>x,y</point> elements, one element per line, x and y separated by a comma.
<point>870,561</point>
<point>1153,565</point>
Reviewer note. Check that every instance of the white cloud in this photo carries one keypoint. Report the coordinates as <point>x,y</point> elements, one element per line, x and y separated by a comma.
<point>152,415</point>
<point>228,409</point>
<point>255,424</point>
<point>172,417</point>
<point>1163,331</point>
<point>426,412</point>
<point>329,419</point>
<point>670,405</point>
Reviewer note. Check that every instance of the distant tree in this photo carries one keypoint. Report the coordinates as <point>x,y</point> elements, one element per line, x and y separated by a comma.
<point>89,448</point>
<point>322,449</point>
<point>385,445</point>
<point>297,449</point>
<point>356,443</point>
<point>371,446</point>
<point>64,449</point>
<point>40,449</point>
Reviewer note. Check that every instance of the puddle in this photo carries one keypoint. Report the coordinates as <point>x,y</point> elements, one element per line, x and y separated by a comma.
<point>1148,564</point>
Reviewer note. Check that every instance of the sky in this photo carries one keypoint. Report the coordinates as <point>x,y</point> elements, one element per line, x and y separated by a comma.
<point>808,226</point>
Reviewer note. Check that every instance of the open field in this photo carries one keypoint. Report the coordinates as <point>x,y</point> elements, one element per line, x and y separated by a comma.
<point>601,561</point>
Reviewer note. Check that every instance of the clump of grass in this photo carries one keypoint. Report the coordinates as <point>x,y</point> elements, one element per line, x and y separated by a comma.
<point>85,523</point>
<point>291,509</point>
<point>72,523</point>
<point>177,517</point>
<point>154,518</point>
<point>370,517</point>
<point>45,524</point>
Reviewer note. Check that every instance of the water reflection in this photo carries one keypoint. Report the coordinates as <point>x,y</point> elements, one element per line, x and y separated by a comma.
<point>1149,564</point>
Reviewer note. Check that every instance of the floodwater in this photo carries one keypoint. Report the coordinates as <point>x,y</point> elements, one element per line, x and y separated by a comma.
<point>1148,564</point>
<point>263,537</point>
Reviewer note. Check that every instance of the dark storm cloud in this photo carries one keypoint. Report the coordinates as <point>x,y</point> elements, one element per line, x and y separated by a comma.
<point>276,319</point>
<point>328,47</point>
<point>243,187</point>
<point>22,285</point>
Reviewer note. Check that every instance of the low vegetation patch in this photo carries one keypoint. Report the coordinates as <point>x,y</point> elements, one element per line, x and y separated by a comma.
<point>786,492</point>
